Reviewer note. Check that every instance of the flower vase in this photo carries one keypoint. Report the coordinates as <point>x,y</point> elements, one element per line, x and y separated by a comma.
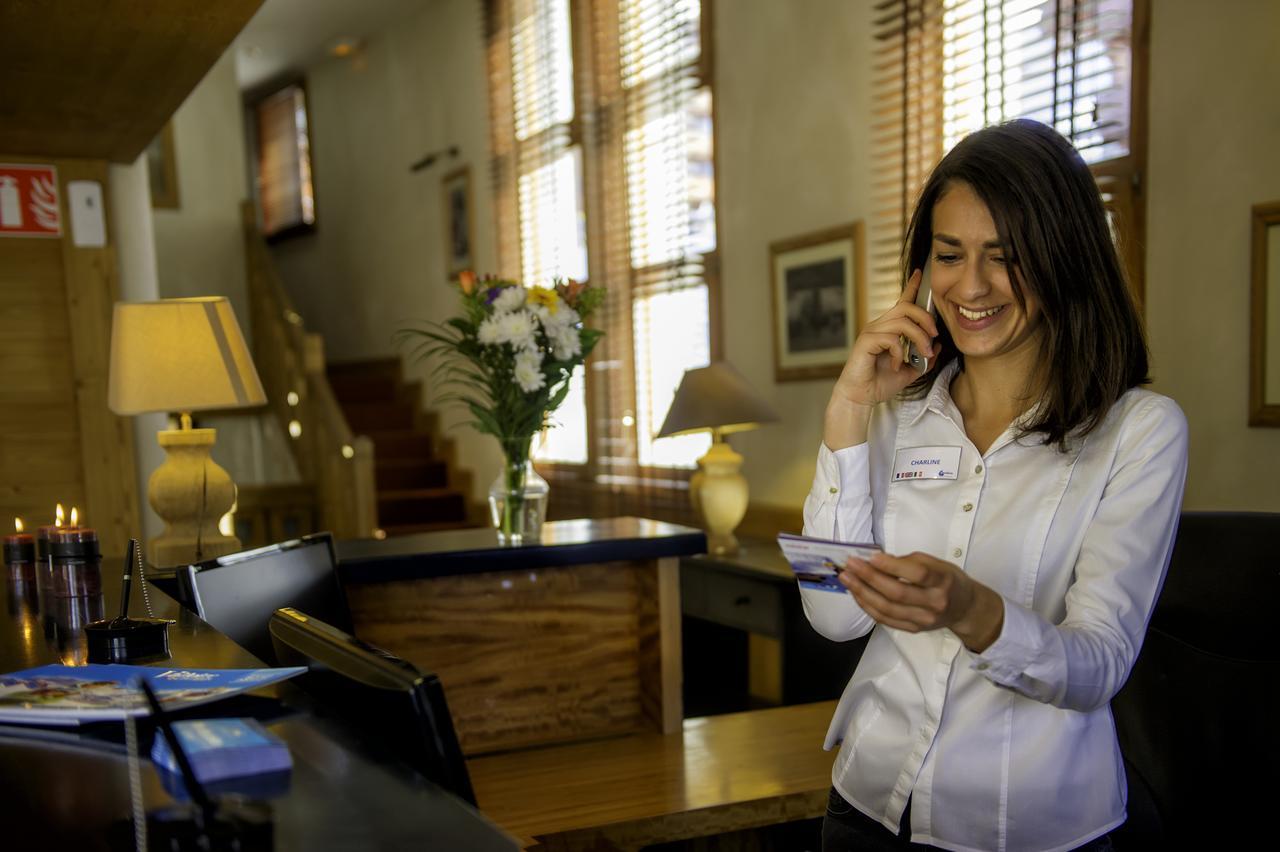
<point>518,502</point>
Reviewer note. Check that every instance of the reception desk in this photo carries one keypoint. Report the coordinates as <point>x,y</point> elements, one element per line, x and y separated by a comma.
<point>572,638</point>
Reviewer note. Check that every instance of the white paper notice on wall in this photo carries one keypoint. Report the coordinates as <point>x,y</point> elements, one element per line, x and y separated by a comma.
<point>88,221</point>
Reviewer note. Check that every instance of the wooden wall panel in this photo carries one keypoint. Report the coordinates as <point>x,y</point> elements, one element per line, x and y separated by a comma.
<point>106,441</point>
<point>39,427</point>
<point>58,440</point>
<point>526,657</point>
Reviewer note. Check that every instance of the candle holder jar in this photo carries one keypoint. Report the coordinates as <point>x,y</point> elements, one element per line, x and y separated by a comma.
<point>44,560</point>
<point>20,558</point>
<point>77,563</point>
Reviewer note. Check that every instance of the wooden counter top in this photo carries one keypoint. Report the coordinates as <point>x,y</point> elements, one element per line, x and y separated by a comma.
<point>721,773</point>
<point>577,542</point>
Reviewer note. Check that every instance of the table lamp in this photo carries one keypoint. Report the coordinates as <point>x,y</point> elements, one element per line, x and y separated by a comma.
<point>183,355</point>
<point>717,398</point>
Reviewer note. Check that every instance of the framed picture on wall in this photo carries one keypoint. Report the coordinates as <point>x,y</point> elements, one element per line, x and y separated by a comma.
<point>459,238</point>
<point>819,299</point>
<point>162,169</point>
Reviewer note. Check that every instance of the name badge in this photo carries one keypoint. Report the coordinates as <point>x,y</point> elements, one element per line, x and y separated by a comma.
<point>926,463</point>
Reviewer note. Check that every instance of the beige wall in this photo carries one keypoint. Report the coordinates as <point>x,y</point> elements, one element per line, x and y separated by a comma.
<point>792,100</point>
<point>200,252</point>
<point>792,97</point>
<point>376,262</point>
<point>1214,152</point>
<point>199,246</point>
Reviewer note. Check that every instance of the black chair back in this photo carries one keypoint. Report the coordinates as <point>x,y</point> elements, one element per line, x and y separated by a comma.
<point>386,700</point>
<point>1197,716</point>
<point>237,593</point>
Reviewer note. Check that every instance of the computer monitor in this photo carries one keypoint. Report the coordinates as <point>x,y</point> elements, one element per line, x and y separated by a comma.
<point>238,592</point>
<point>386,699</point>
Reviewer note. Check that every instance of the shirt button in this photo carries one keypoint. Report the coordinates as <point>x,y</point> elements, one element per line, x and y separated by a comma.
<point>957,553</point>
<point>978,469</point>
<point>982,667</point>
<point>968,507</point>
<point>834,489</point>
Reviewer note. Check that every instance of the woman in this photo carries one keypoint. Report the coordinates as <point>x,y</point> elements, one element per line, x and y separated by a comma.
<point>1019,571</point>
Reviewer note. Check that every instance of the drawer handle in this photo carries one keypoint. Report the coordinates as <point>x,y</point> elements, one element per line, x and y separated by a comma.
<point>742,600</point>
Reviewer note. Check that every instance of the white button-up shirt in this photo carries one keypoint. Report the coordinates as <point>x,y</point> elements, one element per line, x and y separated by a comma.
<point>1015,748</point>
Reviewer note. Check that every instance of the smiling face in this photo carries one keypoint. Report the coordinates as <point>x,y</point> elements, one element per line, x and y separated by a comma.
<point>972,282</point>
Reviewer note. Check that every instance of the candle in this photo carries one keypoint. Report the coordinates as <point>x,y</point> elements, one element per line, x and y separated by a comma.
<point>77,566</point>
<point>75,517</point>
<point>19,548</point>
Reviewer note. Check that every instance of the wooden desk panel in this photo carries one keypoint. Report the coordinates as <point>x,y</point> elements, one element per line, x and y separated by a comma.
<point>719,774</point>
<point>537,656</point>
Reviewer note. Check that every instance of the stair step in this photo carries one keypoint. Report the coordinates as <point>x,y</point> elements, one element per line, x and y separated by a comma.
<point>395,474</point>
<point>354,388</point>
<point>389,367</point>
<point>405,444</point>
<point>420,505</point>
<point>378,416</point>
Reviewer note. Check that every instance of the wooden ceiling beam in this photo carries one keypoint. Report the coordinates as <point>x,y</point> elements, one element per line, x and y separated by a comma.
<point>97,80</point>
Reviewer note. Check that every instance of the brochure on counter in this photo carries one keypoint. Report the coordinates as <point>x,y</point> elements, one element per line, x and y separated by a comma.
<point>71,695</point>
<point>816,561</point>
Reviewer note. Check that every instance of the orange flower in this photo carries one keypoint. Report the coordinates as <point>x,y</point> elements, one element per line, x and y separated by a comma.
<point>467,281</point>
<point>569,290</point>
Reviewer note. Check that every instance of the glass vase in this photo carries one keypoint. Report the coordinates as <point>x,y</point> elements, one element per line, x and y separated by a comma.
<point>518,501</point>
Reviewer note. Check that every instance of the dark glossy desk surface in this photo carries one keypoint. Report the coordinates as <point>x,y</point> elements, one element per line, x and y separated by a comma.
<point>340,797</point>
<point>473,550</point>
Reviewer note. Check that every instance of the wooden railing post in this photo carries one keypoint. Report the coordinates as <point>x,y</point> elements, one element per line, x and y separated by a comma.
<point>338,465</point>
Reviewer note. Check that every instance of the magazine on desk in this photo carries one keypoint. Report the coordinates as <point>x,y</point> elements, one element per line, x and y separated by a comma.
<point>71,695</point>
<point>816,561</point>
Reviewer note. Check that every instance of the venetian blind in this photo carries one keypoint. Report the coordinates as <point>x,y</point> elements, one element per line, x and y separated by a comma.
<point>654,140</point>
<point>538,168</point>
<point>948,67</point>
<point>601,117</point>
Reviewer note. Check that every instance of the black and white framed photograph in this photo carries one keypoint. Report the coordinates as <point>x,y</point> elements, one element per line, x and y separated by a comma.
<point>458,234</point>
<point>819,301</point>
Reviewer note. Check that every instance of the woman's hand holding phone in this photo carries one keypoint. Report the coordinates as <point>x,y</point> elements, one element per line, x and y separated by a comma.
<point>876,370</point>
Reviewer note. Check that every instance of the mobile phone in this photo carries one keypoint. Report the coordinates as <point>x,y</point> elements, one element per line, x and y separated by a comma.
<point>924,298</point>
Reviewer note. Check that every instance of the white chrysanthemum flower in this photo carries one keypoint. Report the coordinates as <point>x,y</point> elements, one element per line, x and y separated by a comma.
<point>528,371</point>
<point>516,329</point>
<point>488,333</point>
<point>563,318</point>
<point>510,299</point>
<point>565,342</point>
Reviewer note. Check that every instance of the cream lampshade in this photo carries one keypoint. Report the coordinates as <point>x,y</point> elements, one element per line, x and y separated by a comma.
<point>717,398</point>
<point>183,355</point>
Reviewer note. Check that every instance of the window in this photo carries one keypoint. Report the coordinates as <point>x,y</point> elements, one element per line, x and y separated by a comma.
<point>603,152</point>
<point>286,198</point>
<point>945,68</point>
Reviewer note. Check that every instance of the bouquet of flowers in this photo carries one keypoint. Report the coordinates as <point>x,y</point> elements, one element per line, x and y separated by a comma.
<point>508,359</point>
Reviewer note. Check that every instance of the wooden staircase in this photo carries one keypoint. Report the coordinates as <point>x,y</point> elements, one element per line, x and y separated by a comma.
<point>417,489</point>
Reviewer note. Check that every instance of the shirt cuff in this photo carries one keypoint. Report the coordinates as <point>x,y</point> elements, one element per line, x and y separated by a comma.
<point>843,470</point>
<point>1015,650</point>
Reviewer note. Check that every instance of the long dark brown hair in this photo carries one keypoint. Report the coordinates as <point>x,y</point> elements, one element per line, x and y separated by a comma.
<point>1049,215</point>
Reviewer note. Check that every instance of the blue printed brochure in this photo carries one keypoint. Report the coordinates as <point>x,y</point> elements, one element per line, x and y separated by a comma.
<point>816,561</point>
<point>70,695</point>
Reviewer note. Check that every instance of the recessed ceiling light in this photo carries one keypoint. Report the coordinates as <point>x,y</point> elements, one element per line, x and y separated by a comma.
<point>344,47</point>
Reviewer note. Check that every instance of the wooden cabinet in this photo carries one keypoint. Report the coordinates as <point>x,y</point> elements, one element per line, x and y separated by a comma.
<point>748,604</point>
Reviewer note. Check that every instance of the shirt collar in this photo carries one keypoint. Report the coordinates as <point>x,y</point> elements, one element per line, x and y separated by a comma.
<point>938,399</point>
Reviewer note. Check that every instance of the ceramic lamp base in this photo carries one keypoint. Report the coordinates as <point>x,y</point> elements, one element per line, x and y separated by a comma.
<point>719,493</point>
<point>191,493</point>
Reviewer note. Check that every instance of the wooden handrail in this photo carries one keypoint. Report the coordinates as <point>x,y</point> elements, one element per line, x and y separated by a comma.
<point>338,464</point>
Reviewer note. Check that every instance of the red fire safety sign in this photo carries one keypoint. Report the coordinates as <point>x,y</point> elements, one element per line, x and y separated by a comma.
<point>29,201</point>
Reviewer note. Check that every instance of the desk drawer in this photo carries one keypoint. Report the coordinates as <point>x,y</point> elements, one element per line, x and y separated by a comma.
<point>731,600</point>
